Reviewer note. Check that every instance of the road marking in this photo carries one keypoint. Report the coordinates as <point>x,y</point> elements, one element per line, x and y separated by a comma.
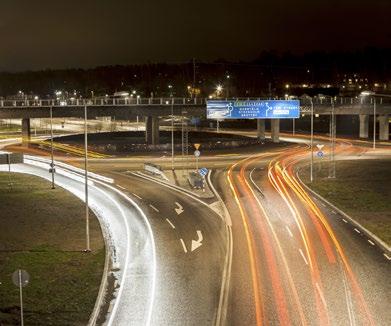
<point>344,220</point>
<point>302,255</point>
<point>183,245</point>
<point>169,222</point>
<point>154,208</point>
<point>334,212</point>
<point>371,242</point>
<point>179,209</point>
<point>323,204</point>
<point>289,231</point>
<point>358,231</point>
<point>135,195</point>
<point>197,243</point>
<point>123,188</point>
<point>388,257</point>
<point>321,295</point>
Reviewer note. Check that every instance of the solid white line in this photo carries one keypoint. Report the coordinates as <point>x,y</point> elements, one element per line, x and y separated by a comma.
<point>183,245</point>
<point>302,255</point>
<point>344,220</point>
<point>169,222</point>
<point>154,208</point>
<point>357,230</point>
<point>371,242</point>
<point>289,231</point>
<point>153,287</point>
<point>123,188</point>
<point>388,257</point>
<point>137,196</point>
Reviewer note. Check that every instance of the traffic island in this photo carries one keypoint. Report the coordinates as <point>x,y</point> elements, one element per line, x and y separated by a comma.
<point>361,189</point>
<point>43,232</point>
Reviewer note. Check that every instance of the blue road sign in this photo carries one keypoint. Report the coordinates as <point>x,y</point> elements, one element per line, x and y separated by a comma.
<point>203,171</point>
<point>320,154</point>
<point>253,109</point>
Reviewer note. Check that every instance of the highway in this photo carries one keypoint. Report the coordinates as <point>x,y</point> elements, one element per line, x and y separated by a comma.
<point>296,261</point>
<point>168,252</point>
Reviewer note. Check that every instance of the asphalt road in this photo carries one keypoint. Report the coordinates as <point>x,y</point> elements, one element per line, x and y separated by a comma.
<point>191,247</point>
<point>296,261</point>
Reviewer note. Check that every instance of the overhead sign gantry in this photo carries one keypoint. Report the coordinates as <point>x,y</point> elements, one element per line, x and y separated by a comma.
<point>253,109</point>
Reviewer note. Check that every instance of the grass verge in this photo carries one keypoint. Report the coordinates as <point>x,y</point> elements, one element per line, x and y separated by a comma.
<point>42,231</point>
<point>361,189</point>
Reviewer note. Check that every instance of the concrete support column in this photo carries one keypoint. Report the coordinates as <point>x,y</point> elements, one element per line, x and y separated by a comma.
<point>26,132</point>
<point>384,127</point>
<point>152,130</point>
<point>364,124</point>
<point>275,129</point>
<point>261,129</point>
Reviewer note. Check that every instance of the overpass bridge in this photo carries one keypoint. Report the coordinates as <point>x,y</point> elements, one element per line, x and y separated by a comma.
<point>154,108</point>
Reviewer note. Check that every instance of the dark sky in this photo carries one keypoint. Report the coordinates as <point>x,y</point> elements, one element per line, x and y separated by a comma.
<point>36,34</point>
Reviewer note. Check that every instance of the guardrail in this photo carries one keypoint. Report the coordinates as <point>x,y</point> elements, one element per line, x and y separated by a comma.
<point>161,101</point>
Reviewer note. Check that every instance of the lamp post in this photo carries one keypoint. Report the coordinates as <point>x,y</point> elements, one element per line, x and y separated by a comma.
<point>312,141</point>
<point>88,249</point>
<point>374,123</point>
<point>172,134</point>
<point>51,145</point>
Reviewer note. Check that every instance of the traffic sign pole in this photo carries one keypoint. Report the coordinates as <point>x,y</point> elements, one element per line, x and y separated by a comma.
<point>21,297</point>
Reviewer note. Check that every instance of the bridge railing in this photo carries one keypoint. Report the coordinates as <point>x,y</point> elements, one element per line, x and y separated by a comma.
<point>162,101</point>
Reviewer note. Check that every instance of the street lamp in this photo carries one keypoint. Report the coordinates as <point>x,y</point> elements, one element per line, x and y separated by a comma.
<point>372,94</point>
<point>312,141</point>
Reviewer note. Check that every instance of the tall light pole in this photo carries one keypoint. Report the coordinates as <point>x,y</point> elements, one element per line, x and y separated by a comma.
<point>88,249</point>
<point>374,123</point>
<point>312,142</point>
<point>332,142</point>
<point>172,134</point>
<point>51,144</point>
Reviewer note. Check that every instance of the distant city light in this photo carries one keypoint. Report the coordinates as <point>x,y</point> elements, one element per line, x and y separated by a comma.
<point>287,86</point>
<point>219,88</point>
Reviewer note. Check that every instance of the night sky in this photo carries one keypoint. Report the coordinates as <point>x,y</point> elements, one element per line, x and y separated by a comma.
<point>36,34</point>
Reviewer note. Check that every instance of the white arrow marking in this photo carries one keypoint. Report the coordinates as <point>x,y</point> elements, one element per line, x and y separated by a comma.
<point>195,244</point>
<point>179,210</point>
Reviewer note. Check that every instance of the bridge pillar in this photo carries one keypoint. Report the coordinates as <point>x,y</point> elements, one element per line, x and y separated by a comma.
<point>26,132</point>
<point>384,127</point>
<point>152,130</point>
<point>275,129</point>
<point>261,129</point>
<point>364,124</point>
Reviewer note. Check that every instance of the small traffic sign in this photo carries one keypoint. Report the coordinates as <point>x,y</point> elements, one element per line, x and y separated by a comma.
<point>197,153</point>
<point>20,278</point>
<point>203,171</point>
<point>197,146</point>
<point>320,154</point>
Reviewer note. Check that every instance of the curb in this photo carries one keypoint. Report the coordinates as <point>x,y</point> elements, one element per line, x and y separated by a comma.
<point>368,233</point>
<point>103,287</point>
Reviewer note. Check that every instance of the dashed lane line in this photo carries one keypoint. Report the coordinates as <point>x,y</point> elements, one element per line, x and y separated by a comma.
<point>169,222</point>
<point>289,231</point>
<point>344,220</point>
<point>183,245</point>
<point>371,242</point>
<point>154,208</point>
<point>388,257</point>
<point>123,188</point>
<point>137,196</point>
<point>358,231</point>
<point>302,255</point>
